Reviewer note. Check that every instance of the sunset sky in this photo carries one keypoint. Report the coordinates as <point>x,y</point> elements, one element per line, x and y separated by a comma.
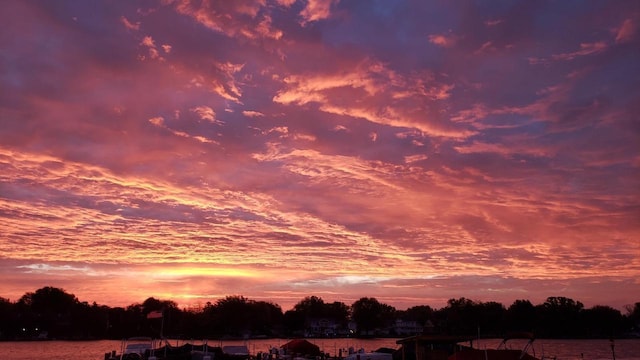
<point>411,151</point>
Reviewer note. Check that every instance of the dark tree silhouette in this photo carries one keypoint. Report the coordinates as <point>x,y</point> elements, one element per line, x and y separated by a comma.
<point>313,308</point>
<point>521,316</point>
<point>61,315</point>
<point>8,314</point>
<point>459,317</point>
<point>232,314</point>
<point>50,311</point>
<point>491,318</point>
<point>50,300</point>
<point>339,312</point>
<point>633,314</point>
<point>602,322</point>
<point>369,315</point>
<point>294,323</point>
<point>421,314</point>
<point>560,317</point>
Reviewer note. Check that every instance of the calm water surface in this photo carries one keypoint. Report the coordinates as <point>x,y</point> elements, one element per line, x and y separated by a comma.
<point>94,350</point>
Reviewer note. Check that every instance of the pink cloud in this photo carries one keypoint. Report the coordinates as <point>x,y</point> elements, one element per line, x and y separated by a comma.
<point>235,19</point>
<point>206,113</point>
<point>157,121</point>
<point>129,25</point>
<point>493,22</point>
<point>585,49</point>
<point>316,10</point>
<point>443,40</point>
<point>627,31</point>
<point>250,113</point>
<point>286,3</point>
<point>153,52</point>
<point>374,84</point>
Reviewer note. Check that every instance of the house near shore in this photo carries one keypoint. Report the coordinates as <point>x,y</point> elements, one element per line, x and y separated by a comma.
<point>325,327</point>
<point>407,327</point>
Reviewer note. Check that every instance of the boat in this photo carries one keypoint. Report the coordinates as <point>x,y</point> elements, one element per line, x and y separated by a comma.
<point>428,347</point>
<point>136,348</point>
<point>300,348</point>
<point>144,348</point>
<point>431,347</point>
<point>235,352</point>
<point>502,352</point>
<point>362,355</point>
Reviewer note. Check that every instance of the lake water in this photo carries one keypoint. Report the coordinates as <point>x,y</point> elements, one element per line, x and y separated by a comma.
<point>627,349</point>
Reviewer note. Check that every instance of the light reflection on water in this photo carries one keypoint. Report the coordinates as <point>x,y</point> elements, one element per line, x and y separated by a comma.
<point>628,349</point>
<point>595,349</point>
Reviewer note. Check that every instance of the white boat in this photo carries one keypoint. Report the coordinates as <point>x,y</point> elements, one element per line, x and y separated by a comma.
<point>362,355</point>
<point>136,348</point>
<point>369,356</point>
<point>236,351</point>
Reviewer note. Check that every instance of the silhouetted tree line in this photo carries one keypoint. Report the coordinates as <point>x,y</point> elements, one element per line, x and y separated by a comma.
<point>55,314</point>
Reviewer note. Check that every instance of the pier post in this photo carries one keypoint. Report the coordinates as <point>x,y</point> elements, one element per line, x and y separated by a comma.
<point>613,348</point>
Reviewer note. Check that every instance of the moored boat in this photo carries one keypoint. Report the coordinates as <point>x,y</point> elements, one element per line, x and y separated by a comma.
<point>438,347</point>
<point>362,355</point>
<point>136,348</point>
<point>142,348</point>
<point>431,347</point>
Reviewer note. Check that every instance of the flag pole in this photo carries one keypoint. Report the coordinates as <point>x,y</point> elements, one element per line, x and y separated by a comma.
<point>162,326</point>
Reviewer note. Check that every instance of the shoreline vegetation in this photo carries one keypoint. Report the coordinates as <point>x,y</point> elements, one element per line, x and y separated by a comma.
<point>52,313</point>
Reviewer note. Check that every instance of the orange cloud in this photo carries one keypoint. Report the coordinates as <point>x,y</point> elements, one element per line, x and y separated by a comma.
<point>627,31</point>
<point>129,25</point>
<point>374,85</point>
<point>316,10</point>
<point>585,49</point>
<point>206,113</point>
<point>234,19</point>
<point>443,40</point>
